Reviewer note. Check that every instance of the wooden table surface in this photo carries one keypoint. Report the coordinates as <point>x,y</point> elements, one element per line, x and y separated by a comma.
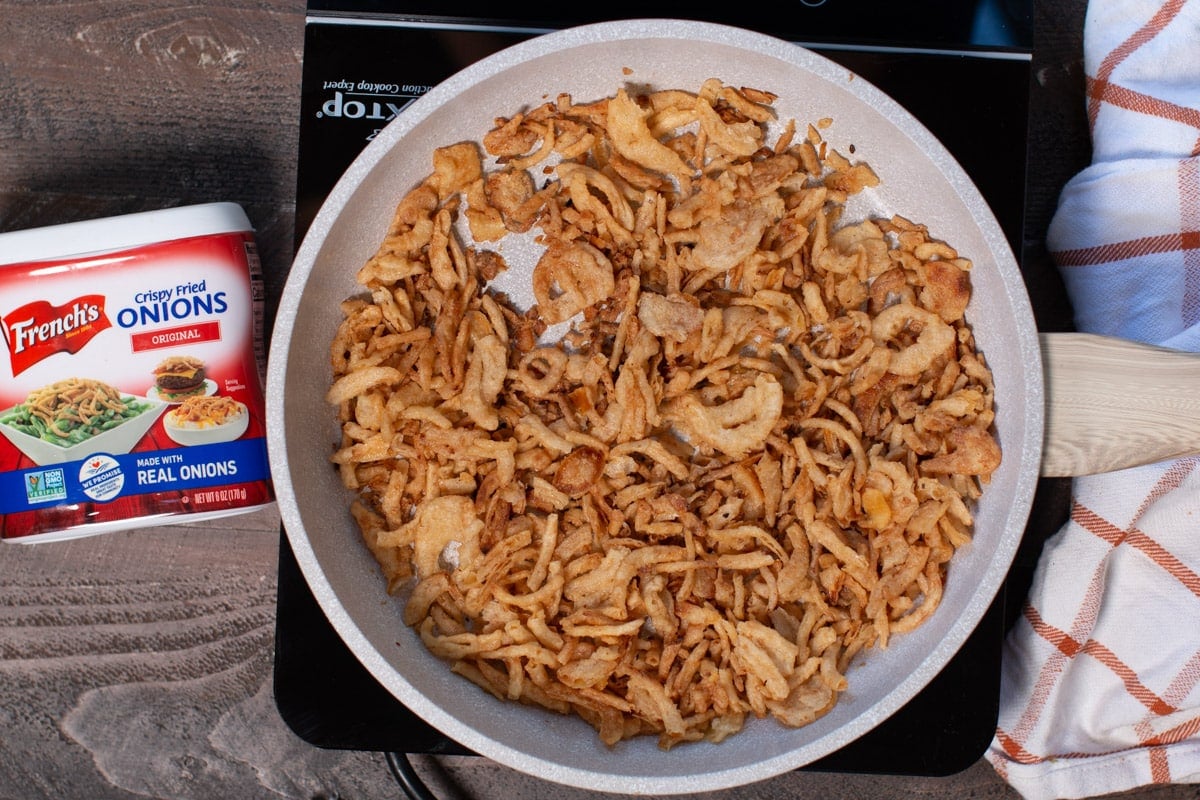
<point>139,664</point>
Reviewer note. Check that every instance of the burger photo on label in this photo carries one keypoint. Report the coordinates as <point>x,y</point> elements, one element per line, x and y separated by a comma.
<point>177,378</point>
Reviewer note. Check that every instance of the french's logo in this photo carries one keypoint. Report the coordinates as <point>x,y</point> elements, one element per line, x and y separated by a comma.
<point>37,330</point>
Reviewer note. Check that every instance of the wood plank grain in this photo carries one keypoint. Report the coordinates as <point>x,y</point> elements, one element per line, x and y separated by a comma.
<point>150,100</point>
<point>138,665</point>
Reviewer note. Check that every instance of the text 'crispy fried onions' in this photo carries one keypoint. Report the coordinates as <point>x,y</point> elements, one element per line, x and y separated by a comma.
<point>750,458</point>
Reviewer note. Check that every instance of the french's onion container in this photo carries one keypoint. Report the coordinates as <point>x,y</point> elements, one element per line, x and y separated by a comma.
<point>131,382</point>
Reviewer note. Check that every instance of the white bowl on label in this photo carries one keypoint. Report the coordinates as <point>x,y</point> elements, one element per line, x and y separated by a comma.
<point>190,434</point>
<point>119,440</point>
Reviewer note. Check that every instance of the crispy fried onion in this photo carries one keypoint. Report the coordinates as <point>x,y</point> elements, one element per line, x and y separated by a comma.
<point>749,459</point>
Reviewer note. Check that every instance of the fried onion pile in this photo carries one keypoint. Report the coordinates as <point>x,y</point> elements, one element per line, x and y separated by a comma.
<point>749,455</point>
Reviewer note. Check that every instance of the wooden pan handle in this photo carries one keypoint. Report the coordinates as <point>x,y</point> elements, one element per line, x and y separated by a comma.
<point>1113,403</point>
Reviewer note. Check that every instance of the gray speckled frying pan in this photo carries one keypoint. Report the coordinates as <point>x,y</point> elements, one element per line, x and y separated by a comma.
<point>920,180</point>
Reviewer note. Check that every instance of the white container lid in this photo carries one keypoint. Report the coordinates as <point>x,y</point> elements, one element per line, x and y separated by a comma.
<point>109,234</point>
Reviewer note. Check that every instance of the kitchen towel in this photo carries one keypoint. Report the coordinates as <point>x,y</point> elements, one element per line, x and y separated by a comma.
<point>1100,687</point>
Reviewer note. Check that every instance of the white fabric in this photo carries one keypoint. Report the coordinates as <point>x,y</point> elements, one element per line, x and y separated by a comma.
<point>1101,676</point>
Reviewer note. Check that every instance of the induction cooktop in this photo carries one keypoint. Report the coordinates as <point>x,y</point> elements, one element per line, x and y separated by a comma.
<point>961,68</point>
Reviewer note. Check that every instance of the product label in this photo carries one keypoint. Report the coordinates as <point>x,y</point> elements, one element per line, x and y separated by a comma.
<point>130,387</point>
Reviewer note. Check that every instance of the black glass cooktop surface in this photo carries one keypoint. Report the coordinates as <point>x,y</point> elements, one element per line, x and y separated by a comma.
<point>962,69</point>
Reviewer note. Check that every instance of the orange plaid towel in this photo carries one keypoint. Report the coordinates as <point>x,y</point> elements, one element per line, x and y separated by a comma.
<point>1101,677</point>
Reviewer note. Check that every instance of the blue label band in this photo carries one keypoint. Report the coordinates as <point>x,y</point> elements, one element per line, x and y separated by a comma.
<point>102,477</point>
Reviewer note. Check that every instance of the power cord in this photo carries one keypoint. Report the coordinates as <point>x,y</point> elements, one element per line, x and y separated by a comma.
<point>411,784</point>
